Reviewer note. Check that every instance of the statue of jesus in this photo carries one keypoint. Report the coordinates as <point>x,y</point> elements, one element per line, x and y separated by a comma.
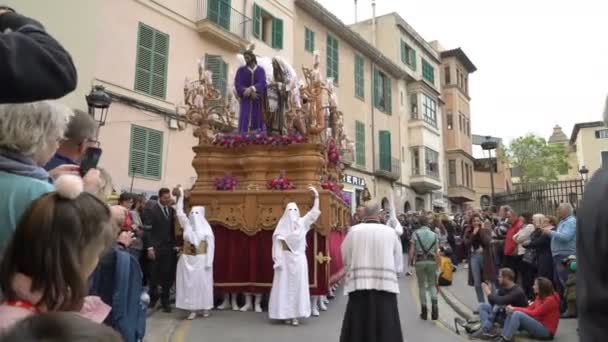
<point>250,84</point>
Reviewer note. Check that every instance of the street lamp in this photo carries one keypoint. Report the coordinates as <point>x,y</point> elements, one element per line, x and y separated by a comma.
<point>99,102</point>
<point>490,145</point>
<point>584,171</point>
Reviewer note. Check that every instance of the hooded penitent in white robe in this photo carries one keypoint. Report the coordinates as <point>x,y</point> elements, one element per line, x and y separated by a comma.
<point>290,295</point>
<point>194,283</point>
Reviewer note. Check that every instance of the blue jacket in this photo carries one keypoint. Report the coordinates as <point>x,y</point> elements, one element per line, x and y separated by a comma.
<point>16,194</point>
<point>118,281</point>
<point>563,239</point>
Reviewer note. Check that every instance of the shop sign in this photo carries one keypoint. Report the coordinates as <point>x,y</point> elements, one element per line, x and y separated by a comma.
<point>353,180</point>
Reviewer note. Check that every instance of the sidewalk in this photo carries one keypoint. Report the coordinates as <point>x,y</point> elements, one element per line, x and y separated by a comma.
<point>160,326</point>
<point>462,299</point>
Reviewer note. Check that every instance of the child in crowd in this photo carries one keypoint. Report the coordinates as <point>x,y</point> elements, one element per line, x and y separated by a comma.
<point>55,248</point>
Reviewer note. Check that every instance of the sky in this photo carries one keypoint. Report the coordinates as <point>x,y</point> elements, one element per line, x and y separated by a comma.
<point>540,63</point>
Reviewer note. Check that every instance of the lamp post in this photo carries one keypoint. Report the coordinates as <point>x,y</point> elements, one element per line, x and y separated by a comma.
<point>490,145</point>
<point>584,171</point>
<point>99,102</point>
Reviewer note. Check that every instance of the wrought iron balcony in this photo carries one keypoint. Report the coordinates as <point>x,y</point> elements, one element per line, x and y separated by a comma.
<point>217,20</point>
<point>389,168</point>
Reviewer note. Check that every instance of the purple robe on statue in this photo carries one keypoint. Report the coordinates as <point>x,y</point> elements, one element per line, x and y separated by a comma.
<point>250,118</point>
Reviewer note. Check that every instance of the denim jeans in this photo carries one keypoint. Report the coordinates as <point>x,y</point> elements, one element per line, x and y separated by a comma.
<point>520,321</point>
<point>486,316</point>
<point>560,275</point>
<point>476,269</point>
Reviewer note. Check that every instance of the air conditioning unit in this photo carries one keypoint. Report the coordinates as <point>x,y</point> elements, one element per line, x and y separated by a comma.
<point>173,124</point>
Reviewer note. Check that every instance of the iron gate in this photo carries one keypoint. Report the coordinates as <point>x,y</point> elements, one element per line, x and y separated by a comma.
<point>543,198</point>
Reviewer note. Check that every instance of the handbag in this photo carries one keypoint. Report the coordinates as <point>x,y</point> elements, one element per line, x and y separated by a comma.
<point>529,256</point>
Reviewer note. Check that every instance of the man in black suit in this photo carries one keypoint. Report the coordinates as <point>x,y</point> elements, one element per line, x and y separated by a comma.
<point>160,244</point>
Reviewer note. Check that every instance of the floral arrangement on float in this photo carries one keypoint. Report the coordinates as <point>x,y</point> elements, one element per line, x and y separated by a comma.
<point>227,182</point>
<point>333,154</point>
<point>233,140</point>
<point>280,183</point>
<point>335,188</point>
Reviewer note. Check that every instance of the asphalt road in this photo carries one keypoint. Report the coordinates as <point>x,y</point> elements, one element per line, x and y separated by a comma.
<point>232,326</point>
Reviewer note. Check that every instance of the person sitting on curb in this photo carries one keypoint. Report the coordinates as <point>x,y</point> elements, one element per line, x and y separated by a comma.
<point>509,293</point>
<point>540,319</point>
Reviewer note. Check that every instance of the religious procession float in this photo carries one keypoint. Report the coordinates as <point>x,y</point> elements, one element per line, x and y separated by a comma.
<point>261,146</point>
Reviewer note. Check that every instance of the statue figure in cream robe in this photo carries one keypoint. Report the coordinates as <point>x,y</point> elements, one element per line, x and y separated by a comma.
<point>194,284</point>
<point>290,295</point>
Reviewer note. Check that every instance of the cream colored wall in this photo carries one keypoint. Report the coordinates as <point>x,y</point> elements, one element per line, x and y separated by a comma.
<point>73,24</point>
<point>590,149</point>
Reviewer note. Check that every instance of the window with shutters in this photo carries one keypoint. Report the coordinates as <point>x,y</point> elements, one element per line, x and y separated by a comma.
<point>448,77</point>
<point>385,150</point>
<point>601,134</point>
<point>382,91</point>
<point>408,55</point>
<point>309,40</point>
<point>152,60</point>
<point>332,58</point>
<point>432,162</point>
<point>428,72</point>
<point>414,106</point>
<point>145,152</point>
<point>359,78</point>
<point>219,70</point>
<point>604,159</point>
<point>452,172</point>
<point>429,110</point>
<point>267,28</point>
<point>360,143</point>
<point>218,11</point>
<point>415,152</point>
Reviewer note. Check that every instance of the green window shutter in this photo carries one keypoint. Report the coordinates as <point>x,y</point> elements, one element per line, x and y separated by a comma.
<point>385,150</point>
<point>413,58</point>
<point>428,72</point>
<point>219,70</point>
<point>143,64</point>
<point>218,11</point>
<point>152,61</point>
<point>360,143</point>
<point>257,21</point>
<point>332,58</point>
<point>403,53</point>
<point>145,157</point>
<point>388,99</point>
<point>277,33</point>
<point>359,77</point>
<point>377,81</point>
<point>309,40</point>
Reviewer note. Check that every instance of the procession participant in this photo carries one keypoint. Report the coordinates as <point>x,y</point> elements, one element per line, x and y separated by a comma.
<point>250,84</point>
<point>290,295</point>
<point>194,282</point>
<point>423,253</point>
<point>372,260</point>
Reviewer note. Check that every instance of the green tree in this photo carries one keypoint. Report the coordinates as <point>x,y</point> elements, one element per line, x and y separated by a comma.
<point>537,160</point>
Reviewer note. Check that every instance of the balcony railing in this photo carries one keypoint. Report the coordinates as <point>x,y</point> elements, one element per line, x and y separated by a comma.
<point>418,171</point>
<point>429,120</point>
<point>389,168</point>
<point>225,17</point>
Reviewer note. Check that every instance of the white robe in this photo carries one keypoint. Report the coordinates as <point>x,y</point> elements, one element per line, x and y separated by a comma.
<point>194,282</point>
<point>290,294</point>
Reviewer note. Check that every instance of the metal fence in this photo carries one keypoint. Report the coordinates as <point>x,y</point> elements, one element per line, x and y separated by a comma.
<point>543,198</point>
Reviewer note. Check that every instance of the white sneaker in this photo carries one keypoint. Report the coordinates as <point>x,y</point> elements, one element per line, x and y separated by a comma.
<point>206,314</point>
<point>258,308</point>
<point>225,305</point>
<point>288,321</point>
<point>295,322</point>
<point>191,316</point>
<point>315,311</point>
<point>322,305</point>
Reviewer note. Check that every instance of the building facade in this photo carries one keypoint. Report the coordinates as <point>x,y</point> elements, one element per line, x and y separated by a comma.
<point>419,94</point>
<point>459,161</point>
<point>589,140</point>
<point>141,51</point>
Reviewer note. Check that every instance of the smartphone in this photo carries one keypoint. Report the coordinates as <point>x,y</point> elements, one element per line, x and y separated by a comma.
<point>90,160</point>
